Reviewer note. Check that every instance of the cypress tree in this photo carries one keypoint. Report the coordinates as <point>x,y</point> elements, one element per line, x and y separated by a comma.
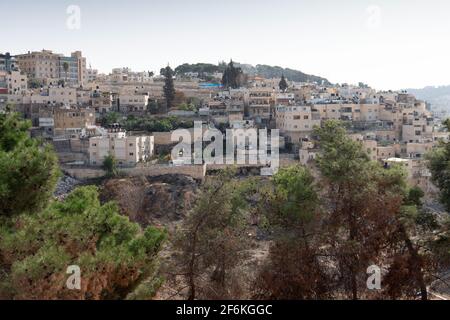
<point>169,88</point>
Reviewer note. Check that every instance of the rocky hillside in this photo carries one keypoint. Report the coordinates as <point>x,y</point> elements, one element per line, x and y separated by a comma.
<point>160,200</point>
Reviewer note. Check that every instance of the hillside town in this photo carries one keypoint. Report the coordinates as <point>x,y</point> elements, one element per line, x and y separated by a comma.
<point>223,159</point>
<point>87,115</point>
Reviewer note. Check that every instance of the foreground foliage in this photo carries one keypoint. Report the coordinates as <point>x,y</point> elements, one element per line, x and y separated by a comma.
<point>366,216</point>
<point>112,253</point>
<point>28,168</point>
<point>41,237</point>
<point>212,241</point>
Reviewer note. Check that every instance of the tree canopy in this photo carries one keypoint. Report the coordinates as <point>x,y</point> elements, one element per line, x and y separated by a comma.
<point>28,168</point>
<point>232,77</point>
<point>40,237</point>
<point>283,83</point>
<point>113,254</point>
<point>439,165</point>
<point>327,231</point>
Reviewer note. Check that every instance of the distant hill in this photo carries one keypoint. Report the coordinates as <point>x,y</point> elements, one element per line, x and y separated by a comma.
<point>260,69</point>
<point>276,72</point>
<point>438,97</point>
<point>199,68</point>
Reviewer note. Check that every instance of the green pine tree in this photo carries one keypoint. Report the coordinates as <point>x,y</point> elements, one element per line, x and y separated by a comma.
<point>28,168</point>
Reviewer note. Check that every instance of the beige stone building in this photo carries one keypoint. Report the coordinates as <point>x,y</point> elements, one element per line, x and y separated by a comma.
<point>217,108</point>
<point>370,112</point>
<point>15,82</point>
<point>49,67</point>
<point>328,111</point>
<point>83,96</point>
<point>72,121</point>
<point>133,102</point>
<point>260,103</point>
<point>388,135</point>
<point>235,110</point>
<point>42,65</point>
<point>62,96</point>
<point>339,111</point>
<point>384,152</point>
<point>102,102</point>
<point>416,127</point>
<point>82,74</point>
<point>296,122</point>
<point>284,99</point>
<point>128,150</point>
<point>418,150</point>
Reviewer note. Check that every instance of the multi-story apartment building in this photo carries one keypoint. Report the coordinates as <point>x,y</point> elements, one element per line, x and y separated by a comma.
<point>370,112</point>
<point>102,102</point>
<point>8,62</point>
<point>57,96</point>
<point>329,111</point>
<point>73,69</point>
<point>43,65</point>
<point>124,75</point>
<point>63,95</point>
<point>15,82</point>
<point>235,110</point>
<point>83,96</point>
<point>133,102</point>
<point>128,150</point>
<point>217,108</point>
<point>81,67</point>
<point>260,103</point>
<point>416,127</point>
<point>50,67</point>
<point>72,121</point>
<point>303,93</point>
<point>284,99</point>
<point>418,150</point>
<point>393,116</point>
<point>92,74</point>
<point>15,100</point>
<point>296,122</point>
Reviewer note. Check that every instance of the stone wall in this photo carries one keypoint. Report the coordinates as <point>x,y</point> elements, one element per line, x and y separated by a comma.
<point>195,171</point>
<point>83,173</point>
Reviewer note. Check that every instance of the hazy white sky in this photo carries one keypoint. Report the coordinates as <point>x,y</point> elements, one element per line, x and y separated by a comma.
<point>389,44</point>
